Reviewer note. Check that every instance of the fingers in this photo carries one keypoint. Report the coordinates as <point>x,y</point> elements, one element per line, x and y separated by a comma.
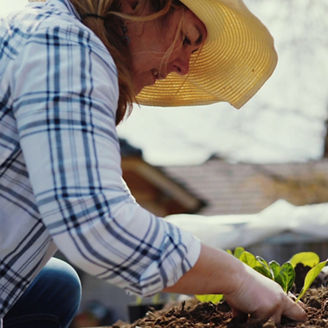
<point>242,316</point>
<point>294,311</point>
<point>294,298</point>
<point>263,299</point>
<point>276,317</point>
<point>286,307</point>
<point>273,313</point>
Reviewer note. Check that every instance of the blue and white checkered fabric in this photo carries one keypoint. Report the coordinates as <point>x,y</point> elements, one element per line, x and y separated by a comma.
<point>61,183</point>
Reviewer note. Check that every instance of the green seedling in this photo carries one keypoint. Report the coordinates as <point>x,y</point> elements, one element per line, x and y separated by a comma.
<point>263,267</point>
<point>156,299</point>
<point>283,274</point>
<point>309,278</point>
<point>306,258</point>
<point>213,298</point>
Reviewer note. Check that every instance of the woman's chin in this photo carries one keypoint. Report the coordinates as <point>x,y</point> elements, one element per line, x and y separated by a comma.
<point>139,88</point>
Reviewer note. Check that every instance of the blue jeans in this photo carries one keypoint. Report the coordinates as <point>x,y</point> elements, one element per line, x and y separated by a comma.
<point>51,301</point>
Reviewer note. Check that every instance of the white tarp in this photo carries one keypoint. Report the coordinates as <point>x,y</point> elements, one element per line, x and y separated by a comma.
<point>229,231</point>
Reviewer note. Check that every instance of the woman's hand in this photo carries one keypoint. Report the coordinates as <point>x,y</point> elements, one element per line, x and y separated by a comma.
<point>262,298</point>
<point>246,291</point>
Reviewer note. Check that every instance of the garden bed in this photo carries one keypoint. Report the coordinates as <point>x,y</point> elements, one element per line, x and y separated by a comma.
<point>193,314</point>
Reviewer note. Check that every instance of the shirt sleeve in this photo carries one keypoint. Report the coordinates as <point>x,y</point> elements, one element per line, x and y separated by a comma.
<point>65,93</point>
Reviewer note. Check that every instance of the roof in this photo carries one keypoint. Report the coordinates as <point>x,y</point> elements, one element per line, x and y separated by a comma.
<point>244,188</point>
<point>153,189</point>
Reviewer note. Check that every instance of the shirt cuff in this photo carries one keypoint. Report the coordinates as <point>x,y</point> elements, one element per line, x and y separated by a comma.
<point>175,266</point>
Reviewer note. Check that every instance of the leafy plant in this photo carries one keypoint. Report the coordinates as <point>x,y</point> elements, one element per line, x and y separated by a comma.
<point>214,298</point>
<point>283,274</point>
<point>156,299</point>
<point>309,278</point>
<point>307,258</point>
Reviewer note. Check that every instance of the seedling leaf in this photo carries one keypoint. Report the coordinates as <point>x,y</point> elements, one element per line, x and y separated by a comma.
<point>306,258</point>
<point>214,298</point>
<point>275,267</point>
<point>248,258</point>
<point>309,278</point>
<point>238,251</point>
<point>266,270</point>
<point>261,269</point>
<point>263,262</point>
<point>289,269</point>
<point>286,276</point>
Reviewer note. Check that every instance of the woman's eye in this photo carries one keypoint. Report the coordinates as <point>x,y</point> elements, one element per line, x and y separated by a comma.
<point>186,41</point>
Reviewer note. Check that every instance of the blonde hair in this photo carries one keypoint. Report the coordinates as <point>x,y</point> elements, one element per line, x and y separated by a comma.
<point>109,30</point>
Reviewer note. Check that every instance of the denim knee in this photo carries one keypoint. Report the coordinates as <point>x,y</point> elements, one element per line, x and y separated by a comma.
<point>55,292</point>
<point>67,293</point>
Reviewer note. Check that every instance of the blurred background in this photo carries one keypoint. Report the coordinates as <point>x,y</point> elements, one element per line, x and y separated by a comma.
<point>233,164</point>
<point>285,121</point>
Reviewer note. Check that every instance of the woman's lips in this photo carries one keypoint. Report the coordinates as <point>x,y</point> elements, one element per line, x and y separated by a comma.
<point>157,75</point>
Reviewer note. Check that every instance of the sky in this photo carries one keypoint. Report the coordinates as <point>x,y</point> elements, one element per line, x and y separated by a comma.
<point>282,122</point>
<point>8,5</point>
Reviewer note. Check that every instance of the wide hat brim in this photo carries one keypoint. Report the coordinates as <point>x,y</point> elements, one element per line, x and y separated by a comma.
<point>237,58</point>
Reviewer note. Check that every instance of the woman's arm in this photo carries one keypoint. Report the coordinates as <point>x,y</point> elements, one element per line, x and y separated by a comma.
<point>65,112</point>
<point>217,272</point>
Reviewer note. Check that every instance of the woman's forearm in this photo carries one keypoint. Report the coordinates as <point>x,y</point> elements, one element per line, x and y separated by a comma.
<point>215,272</point>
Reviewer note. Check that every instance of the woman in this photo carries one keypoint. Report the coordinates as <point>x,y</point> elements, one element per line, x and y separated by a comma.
<point>70,71</point>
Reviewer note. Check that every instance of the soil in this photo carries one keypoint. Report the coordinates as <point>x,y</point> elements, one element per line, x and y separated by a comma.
<point>193,314</point>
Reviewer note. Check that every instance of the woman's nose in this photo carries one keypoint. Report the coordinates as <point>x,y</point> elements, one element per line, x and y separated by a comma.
<point>181,65</point>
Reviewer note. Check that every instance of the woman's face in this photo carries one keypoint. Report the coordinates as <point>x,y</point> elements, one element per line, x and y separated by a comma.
<point>150,42</point>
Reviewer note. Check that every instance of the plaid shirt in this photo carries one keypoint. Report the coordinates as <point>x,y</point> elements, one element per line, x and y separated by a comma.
<point>61,183</point>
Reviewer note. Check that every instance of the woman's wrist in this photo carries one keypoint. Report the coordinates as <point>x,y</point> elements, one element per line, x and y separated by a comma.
<point>215,272</point>
<point>226,271</point>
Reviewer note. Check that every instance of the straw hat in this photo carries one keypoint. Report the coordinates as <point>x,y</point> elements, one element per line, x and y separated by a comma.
<point>237,58</point>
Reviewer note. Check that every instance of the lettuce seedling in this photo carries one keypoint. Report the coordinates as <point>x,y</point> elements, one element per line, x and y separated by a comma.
<point>309,278</point>
<point>283,274</point>
<point>263,267</point>
<point>213,298</point>
<point>310,259</point>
